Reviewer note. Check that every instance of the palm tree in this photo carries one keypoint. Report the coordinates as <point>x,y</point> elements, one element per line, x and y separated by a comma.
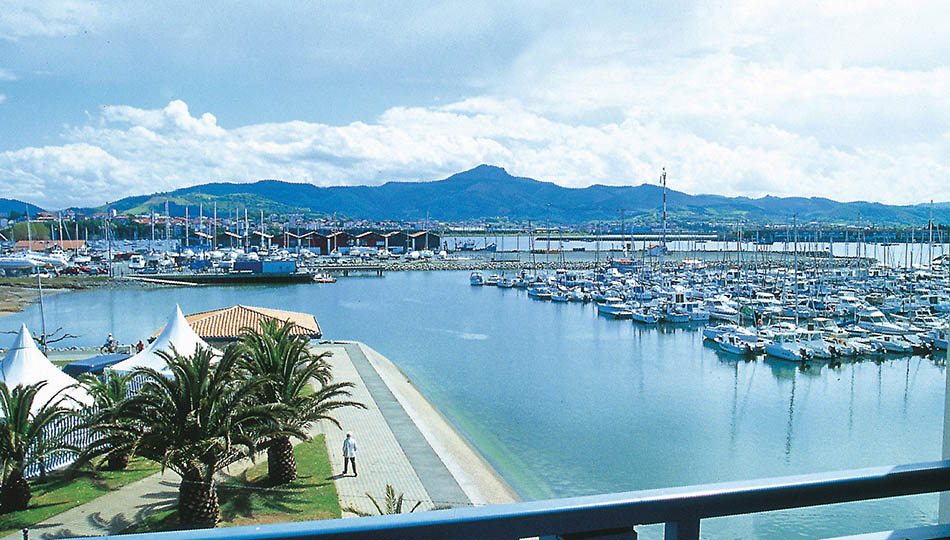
<point>27,439</point>
<point>392,504</point>
<point>107,393</point>
<point>195,421</point>
<point>286,361</point>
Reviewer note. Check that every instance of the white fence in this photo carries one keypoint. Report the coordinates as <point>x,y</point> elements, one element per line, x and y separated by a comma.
<point>75,436</point>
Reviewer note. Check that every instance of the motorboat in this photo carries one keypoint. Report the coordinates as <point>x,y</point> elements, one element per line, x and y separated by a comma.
<point>541,292</point>
<point>476,278</point>
<point>559,296</point>
<point>815,345</point>
<point>733,344</point>
<point>938,303</point>
<point>615,307</point>
<point>893,343</point>
<point>324,278</point>
<point>873,320</point>
<point>937,338</point>
<point>723,309</point>
<point>674,314</point>
<point>785,346</point>
<point>645,315</point>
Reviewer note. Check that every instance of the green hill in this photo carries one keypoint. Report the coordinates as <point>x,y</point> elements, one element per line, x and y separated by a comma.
<point>490,192</point>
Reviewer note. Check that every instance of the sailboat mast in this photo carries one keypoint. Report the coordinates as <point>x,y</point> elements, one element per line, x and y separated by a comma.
<point>201,221</point>
<point>663,181</point>
<point>795,274</point>
<point>168,225</point>
<point>930,249</point>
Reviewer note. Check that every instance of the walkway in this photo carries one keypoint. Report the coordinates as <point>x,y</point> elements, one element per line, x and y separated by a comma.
<point>390,448</point>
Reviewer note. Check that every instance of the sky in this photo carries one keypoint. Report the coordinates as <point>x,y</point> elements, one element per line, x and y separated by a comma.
<point>842,99</point>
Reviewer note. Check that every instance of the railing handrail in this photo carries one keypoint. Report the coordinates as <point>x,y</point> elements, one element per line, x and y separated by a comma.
<point>678,505</point>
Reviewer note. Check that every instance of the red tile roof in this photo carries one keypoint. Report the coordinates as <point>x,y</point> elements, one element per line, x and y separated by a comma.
<point>226,323</point>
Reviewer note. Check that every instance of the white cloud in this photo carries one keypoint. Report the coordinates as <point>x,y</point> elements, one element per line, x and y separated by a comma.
<point>131,151</point>
<point>849,100</point>
<point>29,18</point>
<point>6,75</point>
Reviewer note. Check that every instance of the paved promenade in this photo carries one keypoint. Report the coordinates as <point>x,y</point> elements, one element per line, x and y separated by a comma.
<point>402,441</point>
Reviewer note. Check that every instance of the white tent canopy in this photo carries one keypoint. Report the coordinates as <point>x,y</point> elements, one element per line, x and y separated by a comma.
<point>177,334</point>
<point>26,364</point>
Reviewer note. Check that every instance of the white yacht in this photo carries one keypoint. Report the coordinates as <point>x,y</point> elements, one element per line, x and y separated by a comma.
<point>615,307</point>
<point>873,320</point>
<point>785,345</point>
<point>723,309</point>
<point>732,343</point>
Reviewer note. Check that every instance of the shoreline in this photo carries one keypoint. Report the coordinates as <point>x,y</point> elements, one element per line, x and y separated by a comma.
<point>474,474</point>
<point>478,480</point>
<point>18,293</point>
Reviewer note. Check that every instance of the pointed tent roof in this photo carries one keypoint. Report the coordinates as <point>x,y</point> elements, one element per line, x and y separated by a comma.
<point>178,334</point>
<point>26,364</point>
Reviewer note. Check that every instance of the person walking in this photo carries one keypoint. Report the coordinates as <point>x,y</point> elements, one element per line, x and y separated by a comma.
<point>349,453</point>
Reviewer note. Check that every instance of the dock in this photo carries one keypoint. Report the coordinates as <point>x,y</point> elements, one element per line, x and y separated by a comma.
<point>234,278</point>
<point>345,269</point>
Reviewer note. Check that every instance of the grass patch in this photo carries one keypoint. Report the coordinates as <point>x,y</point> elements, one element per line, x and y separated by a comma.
<point>250,498</point>
<point>63,491</point>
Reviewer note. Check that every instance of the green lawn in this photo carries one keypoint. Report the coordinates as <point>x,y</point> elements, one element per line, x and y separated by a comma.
<point>62,492</point>
<point>251,500</point>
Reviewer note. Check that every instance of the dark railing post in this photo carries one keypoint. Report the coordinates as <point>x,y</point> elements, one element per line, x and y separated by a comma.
<point>625,533</point>
<point>684,529</point>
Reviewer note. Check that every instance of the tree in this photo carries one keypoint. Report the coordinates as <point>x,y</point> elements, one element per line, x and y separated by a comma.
<point>285,360</point>
<point>195,421</point>
<point>27,439</point>
<point>107,393</point>
<point>391,504</point>
<point>45,340</point>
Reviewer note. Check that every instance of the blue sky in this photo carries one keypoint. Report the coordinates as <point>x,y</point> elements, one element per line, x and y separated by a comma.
<point>847,99</point>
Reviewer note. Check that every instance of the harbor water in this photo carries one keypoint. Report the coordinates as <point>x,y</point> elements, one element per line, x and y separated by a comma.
<point>563,402</point>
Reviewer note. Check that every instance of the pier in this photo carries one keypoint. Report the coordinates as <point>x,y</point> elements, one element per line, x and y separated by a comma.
<point>345,269</point>
<point>235,278</point>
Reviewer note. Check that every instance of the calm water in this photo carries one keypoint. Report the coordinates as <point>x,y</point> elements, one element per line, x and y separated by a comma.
<point>563,402</point>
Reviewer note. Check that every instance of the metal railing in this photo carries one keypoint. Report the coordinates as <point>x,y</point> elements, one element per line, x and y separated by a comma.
<point>608,516</point>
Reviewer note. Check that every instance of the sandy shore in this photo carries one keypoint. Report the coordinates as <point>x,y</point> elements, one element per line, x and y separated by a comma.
<point>17,293</point>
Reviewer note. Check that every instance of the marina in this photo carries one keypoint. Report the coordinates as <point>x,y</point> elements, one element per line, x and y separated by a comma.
<point>658,404</point>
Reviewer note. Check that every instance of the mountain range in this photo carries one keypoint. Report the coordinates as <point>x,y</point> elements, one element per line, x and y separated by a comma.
<point>13,205</point>
<point>488,192</point>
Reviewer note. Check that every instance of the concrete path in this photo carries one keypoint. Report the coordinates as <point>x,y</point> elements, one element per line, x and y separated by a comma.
<point>390,448</point>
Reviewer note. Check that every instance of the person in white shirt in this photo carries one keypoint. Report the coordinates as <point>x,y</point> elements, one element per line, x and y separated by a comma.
<point>349,453</point>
